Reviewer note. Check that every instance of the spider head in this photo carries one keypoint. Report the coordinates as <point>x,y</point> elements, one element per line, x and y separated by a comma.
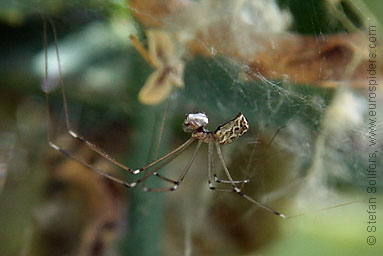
<point>195,121</point>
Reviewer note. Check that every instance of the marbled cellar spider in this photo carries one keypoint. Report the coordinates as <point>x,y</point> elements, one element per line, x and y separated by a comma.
<point>194,124</point>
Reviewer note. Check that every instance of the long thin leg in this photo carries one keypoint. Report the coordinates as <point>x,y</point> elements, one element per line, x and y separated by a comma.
<point>170,157</point>
<point>155,173</point>
<point>46,89</point>
<point>326,208</point>
<point>211,168</point>
<point>237,190</point>
<point>159,142</point>
<point>154,135</point>
<point>210,163</point>
<point>180,178</point>
<point>94,168</point>
<point>67,121</point>
<point>49,121</point>
<point>179,149</point>
<point>161,130</point>
<point>216,179</point>
<point>164,178</point>
<point>104,173</point>
<point>225,168</point>
<point>90,145</point>
<point>167,161</point>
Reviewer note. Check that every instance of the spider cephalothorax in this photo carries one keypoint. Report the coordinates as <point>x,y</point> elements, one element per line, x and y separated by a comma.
<point>193,122</point>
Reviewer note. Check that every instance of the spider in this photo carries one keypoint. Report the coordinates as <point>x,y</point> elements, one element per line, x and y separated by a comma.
<point>194,124</point>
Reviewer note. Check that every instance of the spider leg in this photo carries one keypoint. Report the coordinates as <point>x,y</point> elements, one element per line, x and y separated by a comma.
<point>210,164</point>
<point>49,121</point>
<point>159,143</point>
<point>73,134</point>
<point>180,149</point>
<point>94,168</point>
<point>48,112</point>
<point>216,179</point>
<point>155,173</point>
<point>212,170</point>
<point>180,178</point>
<point>154,134</point>
<point>211,167</point>
<point>170,156</point>
<point>239,191</point>
<point>164,178</point>
<point>224,166</point>
<point>90,145</point>
<point>161,130</point>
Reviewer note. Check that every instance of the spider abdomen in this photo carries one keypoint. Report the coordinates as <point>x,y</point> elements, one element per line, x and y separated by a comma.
<point>232,130</point>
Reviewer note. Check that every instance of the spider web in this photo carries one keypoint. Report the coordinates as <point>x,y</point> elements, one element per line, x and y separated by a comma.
<point>322,125</point>
<point>316,160</point>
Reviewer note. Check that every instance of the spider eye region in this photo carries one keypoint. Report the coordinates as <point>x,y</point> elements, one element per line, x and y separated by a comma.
<point>232,130</point>
<point>195,121</point>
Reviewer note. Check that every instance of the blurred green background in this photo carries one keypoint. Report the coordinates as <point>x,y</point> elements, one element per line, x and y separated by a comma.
<point>51,205</point>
